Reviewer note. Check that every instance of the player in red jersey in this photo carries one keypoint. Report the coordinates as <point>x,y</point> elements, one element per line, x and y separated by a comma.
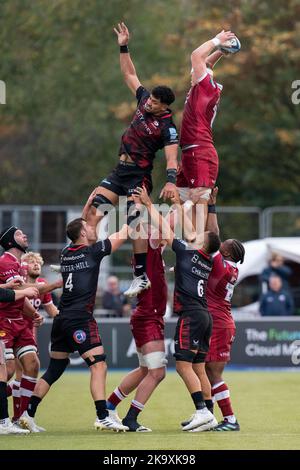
<point>199,156</point>
<point>147,325</point>
<point>220,287</point>
<point>18,339</point>
<point>152,128</point>
<point>7,294</point>
<point>32,264</point>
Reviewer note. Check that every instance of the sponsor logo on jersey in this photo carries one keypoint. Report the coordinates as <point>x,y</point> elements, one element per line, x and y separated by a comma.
<point>2,334</point>
<point>79,336</point>
<point>173,134</point>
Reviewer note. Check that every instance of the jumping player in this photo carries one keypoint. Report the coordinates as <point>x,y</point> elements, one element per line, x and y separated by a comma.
<point>151,129</point>
<point>199,156</point>
<point>74,328</point>
<point>193,330</point>
<point>220,287</point>
<point>147,326</point>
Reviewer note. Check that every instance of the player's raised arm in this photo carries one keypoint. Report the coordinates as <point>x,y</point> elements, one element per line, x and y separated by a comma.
<point>127,67</point>
<point>117,239</point>
<point>200,55</point>
<point>212,220</point>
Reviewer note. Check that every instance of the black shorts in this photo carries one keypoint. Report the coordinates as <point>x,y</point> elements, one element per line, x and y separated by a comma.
<point>126,177</point>
<point>193,331</point>
<point>69,335</point>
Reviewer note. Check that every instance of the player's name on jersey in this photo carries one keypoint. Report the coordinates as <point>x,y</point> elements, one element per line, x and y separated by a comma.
<point>74,267</point>
<point>200,272</point>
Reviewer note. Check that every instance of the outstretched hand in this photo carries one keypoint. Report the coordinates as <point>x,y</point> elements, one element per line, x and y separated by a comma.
<point>122,33</point>
<point>140,196</point>
<point>225,36</point>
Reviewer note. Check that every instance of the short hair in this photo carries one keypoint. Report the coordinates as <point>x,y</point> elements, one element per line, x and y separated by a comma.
<point>74,228</point>
<point>164,94</point>
<point>31,255</point>
<point>214,242</point>
<point>237,251</point>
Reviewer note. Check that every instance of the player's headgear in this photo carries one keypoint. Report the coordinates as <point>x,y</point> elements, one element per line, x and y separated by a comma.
<point>7,239</point>
<point>237,251</point>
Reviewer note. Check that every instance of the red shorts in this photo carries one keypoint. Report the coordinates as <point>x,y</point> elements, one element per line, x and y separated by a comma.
<point>146,328</point>
<point>16,334</point>
<point>200,167</point>
<point>220,345</point>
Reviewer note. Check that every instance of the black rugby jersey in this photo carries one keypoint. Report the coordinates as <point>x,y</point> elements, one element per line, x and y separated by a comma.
<point>80,270</point>
<point>192,270</point>
<point>147,133</point>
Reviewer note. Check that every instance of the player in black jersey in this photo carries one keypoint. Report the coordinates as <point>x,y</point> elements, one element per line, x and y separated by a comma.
<point>74,328</point>
<point>151,129</point>
<point>194,326</point>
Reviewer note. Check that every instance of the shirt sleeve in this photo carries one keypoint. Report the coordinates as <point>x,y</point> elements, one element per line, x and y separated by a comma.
<point>7,295</point>
<point>178,245</point>
<point>141,92</point>
<point>170,135</point>
<point>101,248</point>
<point>47,299</point>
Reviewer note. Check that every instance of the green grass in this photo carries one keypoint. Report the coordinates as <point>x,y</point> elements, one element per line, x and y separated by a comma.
<point>266,404</point>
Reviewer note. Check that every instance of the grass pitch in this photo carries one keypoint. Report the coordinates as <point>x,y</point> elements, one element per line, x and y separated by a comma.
<point>266,404</point>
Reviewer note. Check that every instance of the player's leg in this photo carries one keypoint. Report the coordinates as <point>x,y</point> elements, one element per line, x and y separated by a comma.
<point>154,358</point>
<point>199,369</point>
<point>221,342</point>
<point>16,391</point>
<point>6,426</point>
<point>26,353</point>
<point>140,243</point>
<point>95,359</point>
<point>59,360</point>
<point>191,330</point>
<point>57,365</point>
<point>102,205</point>
<point>127,385</point>
<point>221,395</point>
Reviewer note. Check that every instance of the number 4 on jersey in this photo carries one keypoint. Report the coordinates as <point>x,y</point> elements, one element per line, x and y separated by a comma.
<point>69,283</point>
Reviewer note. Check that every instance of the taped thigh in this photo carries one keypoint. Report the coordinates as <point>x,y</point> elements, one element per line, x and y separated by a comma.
<point>155,360</point>
<point>20,352</point>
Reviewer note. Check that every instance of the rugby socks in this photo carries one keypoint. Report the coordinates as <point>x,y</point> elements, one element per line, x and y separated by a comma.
<point>134,410</point>
<point>140,263</point>
<point>197,398</point>
<point>210,405</point>
<point>3,403</point>
<point>33,404</point>
<point>101,410</point>
<point>16,394</point>
<point>26,388</point>
<point>221,395</point>
<point>115,398</point>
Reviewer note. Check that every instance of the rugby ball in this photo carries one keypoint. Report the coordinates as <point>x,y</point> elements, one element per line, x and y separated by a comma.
<point>232,46</point>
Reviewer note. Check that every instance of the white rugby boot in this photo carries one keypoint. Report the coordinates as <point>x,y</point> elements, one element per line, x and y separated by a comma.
<point>200,417</point>
<point>27,422</point>
<point>206,427</point>
<point>113,414</point>
<point>138,284</point>
<point>7,427</point>
<point>109,424</point>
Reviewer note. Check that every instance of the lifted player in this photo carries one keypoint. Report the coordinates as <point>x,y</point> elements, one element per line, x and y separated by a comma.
<point>151,129</point>
<point>199,157</point>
